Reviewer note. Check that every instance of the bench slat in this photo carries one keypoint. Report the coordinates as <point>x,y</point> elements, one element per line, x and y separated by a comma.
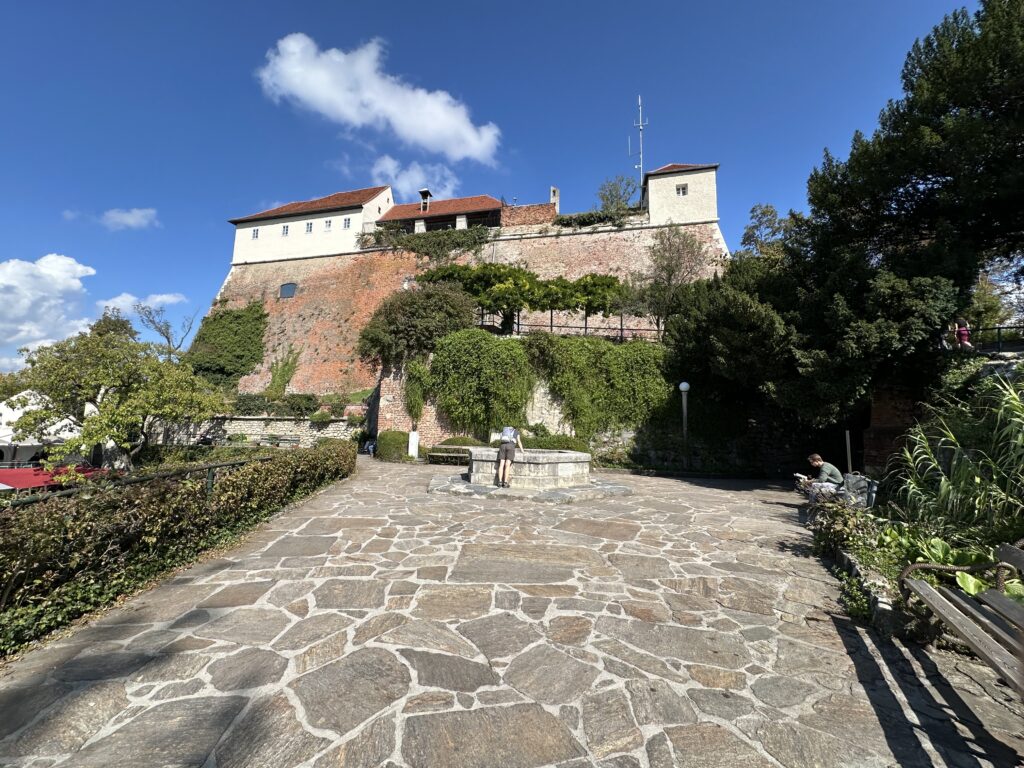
<point>988,619</point>
<point>1012,555</point>
<point>988,649</point>
<point>1011,609</point>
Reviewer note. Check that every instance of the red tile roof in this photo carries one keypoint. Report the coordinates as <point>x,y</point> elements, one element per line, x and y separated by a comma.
<point>455,205</point>
<point>679,167</point>
<point>336,202</point>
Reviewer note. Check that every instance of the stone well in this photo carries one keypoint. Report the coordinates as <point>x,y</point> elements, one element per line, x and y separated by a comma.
<point>534,468</point>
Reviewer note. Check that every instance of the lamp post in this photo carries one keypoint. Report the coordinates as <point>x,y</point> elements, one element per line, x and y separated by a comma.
<point>684,387</point>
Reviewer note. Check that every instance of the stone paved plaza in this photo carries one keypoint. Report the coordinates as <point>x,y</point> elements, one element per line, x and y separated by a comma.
<point>377,625</point>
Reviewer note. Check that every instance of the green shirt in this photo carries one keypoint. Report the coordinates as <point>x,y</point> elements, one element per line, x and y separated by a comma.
<point>829,474</point>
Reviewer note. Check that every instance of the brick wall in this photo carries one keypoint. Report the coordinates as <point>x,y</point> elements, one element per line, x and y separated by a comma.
<point>892,414</point>
<point>519,215</point>
<point>391,415</point>
<point>337,294</point>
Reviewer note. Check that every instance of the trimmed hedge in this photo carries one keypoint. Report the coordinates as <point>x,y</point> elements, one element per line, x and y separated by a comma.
<point>63,557</point>
<point>557,443</point>
<point>464,440</point>
<point>392,446</point>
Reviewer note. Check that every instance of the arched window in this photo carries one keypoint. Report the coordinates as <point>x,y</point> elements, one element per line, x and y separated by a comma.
<point>287,290</point>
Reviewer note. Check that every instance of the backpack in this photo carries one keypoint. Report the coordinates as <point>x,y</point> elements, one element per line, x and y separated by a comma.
<point>508,434</point>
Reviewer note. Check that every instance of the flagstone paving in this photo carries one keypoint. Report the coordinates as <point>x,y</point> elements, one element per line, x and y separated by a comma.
<point>377,625</point>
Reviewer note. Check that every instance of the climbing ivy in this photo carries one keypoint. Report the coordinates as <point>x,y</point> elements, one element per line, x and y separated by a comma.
<point>441,246</point>
<point>229,344</point>
<point>282,369</point>
<point>480,381</point>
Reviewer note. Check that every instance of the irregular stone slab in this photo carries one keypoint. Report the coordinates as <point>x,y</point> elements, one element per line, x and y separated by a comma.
<point>523,735</point>
<point>781,691</point>
<point>311,630</point>
<point>167,602</point>
<point>439,670</point>
<point>550,554</point>
<point>19,704</point>
<point>429,635</point>
<point>154,739</point>
<point>71,722</point>
<point>659,753</point>
<point>797,658</point>
<point>289,591</point>
<point>647,611</point>
<point>176,666</point>
<point>724,704</point>
<point>569,630</point>
<point>431,701</point>
<point>601,529</point>
<point>377,626</point>
<point>793,744</point>
<point>508,572</point>
<point>550,676</point>
<point>350,593</point>
<point>697,645</point>
<point>707,745</point>
<point>620,761</point>
<point>368,749</point>
<point>178,690</point>
<point>500,635</point>
<point>102,666</point>
<point>186,644</point>
<point>647,663</point>
<point>714,677</point>
<point>450,602</point>
<point>609,724</point>
<point>270,736</point>
<point>635,567</point>
<point>249,668</point>
<point>246,593</point>
<point>292,546</point>
<point>371,679</point>
<point>656,703</point>
<point>246,626</point>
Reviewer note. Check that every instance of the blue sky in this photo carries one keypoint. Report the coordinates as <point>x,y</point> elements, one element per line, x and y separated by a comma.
<point>131,131</point>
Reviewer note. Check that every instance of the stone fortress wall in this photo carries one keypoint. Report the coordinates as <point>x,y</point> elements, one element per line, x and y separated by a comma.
<point>337,294</point>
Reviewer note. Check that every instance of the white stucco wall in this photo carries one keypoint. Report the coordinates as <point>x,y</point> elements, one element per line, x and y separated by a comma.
<point>700,204</point>
<point>272,244</point>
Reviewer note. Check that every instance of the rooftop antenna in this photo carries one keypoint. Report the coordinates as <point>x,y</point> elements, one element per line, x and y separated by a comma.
<point>641,124</point>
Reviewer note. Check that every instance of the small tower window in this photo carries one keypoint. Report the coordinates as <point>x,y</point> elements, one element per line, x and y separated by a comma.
<point>284,230</point>
<point>287,290</point>
<point>255,233</point>
<point>346,223</point>
<point>309,227</point>
<point>327,225</point>
<point>682,190</point>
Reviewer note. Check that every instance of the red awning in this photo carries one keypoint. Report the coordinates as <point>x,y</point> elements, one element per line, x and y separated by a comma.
<point>35,477</point>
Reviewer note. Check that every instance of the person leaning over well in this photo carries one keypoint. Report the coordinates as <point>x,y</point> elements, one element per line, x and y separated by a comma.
<point>507,454</point>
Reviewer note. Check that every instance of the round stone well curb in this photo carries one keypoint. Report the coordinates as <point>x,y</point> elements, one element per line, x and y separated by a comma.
<point>459,485</point>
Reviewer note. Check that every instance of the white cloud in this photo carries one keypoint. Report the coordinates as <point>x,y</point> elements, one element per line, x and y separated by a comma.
<point>39,300</point>
<point>129,218</point>
<point>351,88</point>
<point>126,301</point>
<point>413,177</point>
<point>69,214</point>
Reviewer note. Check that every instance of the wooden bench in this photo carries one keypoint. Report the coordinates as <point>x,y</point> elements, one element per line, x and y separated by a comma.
<point>454,455</point>
<point>990,623</point>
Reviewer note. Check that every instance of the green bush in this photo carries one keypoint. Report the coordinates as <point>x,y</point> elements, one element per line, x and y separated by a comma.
<point>480,381</point>
<point>251,405</point>
<point>393,446</point>
<point>161,457</point>
<point>63,557</point>
<point>295,405</point>
<point>228,344</point>
<point>463,440</point>
<point>321,417</point>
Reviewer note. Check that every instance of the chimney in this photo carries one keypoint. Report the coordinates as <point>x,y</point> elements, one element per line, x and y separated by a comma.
<point>425,200</point>
<point>554,197</point>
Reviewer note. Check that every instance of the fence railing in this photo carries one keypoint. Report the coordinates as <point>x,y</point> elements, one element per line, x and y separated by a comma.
<point>1003,338</point>
<point>612,332</point>
<point>209,469</point>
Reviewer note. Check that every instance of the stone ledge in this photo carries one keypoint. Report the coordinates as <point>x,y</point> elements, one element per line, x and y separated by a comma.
<point>458,485</point>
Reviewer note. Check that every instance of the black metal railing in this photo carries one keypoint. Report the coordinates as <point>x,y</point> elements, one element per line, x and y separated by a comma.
<point>1003,338</point>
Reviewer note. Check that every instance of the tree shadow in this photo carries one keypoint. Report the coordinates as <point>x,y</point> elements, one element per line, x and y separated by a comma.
<point>937,718</point>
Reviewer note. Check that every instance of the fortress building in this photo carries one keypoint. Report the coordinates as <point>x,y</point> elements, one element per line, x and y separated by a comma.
<point>304,262</point>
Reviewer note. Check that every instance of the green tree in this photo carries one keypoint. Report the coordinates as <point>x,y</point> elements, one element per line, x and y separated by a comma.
<point>615,197</point>
<point>504,289</point>
<point>408,324</point>
<point>119,390</point>
<point>598,294</point>
<point>764,237</point>
<point>113,323</point>
<point>677,257</point>
<point>989,307</point>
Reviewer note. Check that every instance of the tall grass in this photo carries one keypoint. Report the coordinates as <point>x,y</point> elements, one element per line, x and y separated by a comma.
<point>961,471</point>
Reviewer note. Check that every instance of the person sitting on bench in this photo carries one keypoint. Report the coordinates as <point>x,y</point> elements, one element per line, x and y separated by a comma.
<point>828,481</point>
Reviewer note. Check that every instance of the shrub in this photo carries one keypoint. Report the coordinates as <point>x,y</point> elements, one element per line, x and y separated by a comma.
<point>251,405</point>
<point>480,381</point>
<point>557,443</point>
<point>321,417</point>
<point>295,405</point>
<point>282,369</point>
<point>393,446</point>
<point>63,557</point>
<point>463,440</point>
<point>229,344</point>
